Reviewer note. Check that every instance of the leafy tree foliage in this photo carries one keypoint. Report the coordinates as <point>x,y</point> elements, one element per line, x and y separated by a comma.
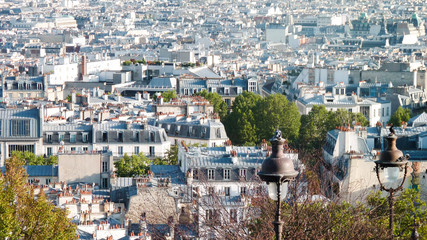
<point>401,115</point>
<point>220,107</point>
<point>134,165</point>
<point>254,118</point>
<point>171,157</point>
<point>275,111</point>
<point>22,215</point>
<point>240,123</point>
<point>408,207</point>
<point>168,95</point>
<point>316,124</point>
<point>32,159</point>
<point>127,63</point>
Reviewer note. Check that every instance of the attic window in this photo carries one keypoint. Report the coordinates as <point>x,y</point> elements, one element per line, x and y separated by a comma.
<point>218,133</point>
<point>105,136</point>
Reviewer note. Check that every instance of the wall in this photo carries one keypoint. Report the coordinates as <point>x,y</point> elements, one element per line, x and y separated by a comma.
<point>80,168</point>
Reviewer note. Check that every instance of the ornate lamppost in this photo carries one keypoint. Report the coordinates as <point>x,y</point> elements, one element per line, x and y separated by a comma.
<point>391,161</point>
<point>277,171</point>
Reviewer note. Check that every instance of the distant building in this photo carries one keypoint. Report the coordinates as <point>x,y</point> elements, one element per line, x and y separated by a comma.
<point>21,130</point>
<point>349,154</point>
<point>21,87</point>
<point>375,110</point>
<point>118,137</point>
<point>228,89</point>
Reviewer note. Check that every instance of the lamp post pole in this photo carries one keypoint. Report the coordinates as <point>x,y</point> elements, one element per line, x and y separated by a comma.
<point>392,161</point>
<point>278,223</point>
<point>277,170</point>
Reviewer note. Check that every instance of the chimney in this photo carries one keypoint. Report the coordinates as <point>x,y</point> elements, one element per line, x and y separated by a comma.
<point>160,100</point>
<point>105,96</point>
<point>73,96</point>
<point>138,96</point>
<point>189,177</point>
<point>84,66</point>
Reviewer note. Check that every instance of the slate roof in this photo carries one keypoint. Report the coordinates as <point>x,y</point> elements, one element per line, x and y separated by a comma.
<point>66,127</point>
<point>205,72</point>
<point>419,120</point>
<point>172,171</point>
<point>42,170</point>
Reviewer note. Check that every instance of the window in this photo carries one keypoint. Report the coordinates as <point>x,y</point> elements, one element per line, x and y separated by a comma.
<point>85,137</point>
<point>233,215</point>
<point>105,183</point>
<point>20,148</point>
<point>388,112</point>
<point>218,133</point>
<point>152,139</point>
<point>105,137</point>
<point>242,173</point>
<point>72,138</point>
<point>226,174</point>
<point>227,191</point>
<point>136,136</point>
<point>136,150</point>
<point>120,150</point>
<point>211,190</point>
<point>105,148</point>
<point>47,181</point>
<point>61,136</point>
<point>49,151</point>
<point>195,174</point>
<point>104,166</point>
<point>85,149</point>
<point>73,149</point>
<point>382,112</point>
<point>211,174</point>
<point>120,137</point>
<point>243,190</point>
<point>19,128</point>
<point>152,151</point>
<point>49,138</point>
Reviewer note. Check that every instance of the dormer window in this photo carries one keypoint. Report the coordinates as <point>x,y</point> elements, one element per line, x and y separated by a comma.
<point>242,173</point>
<point>226,174</point>
<point>211,174</point>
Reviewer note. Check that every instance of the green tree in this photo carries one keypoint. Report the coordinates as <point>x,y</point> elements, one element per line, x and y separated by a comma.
<point>168,95</point>
<point>408,207</point>
<point>240,123</point>
<point>220,107</point>
<point>127,63</point>
<point>314,127</point>
<point>171,157</point>
<point>134,165</point>
<point>343,117</point>
<point>25,216</point>
<point>32,159</point>
<point>316,124</point>
<point>275,111</point>
<point>401,115</point>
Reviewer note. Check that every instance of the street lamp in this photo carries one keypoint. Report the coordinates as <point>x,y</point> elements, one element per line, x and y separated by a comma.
<point>391,161</point>
<point>277,170</point>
